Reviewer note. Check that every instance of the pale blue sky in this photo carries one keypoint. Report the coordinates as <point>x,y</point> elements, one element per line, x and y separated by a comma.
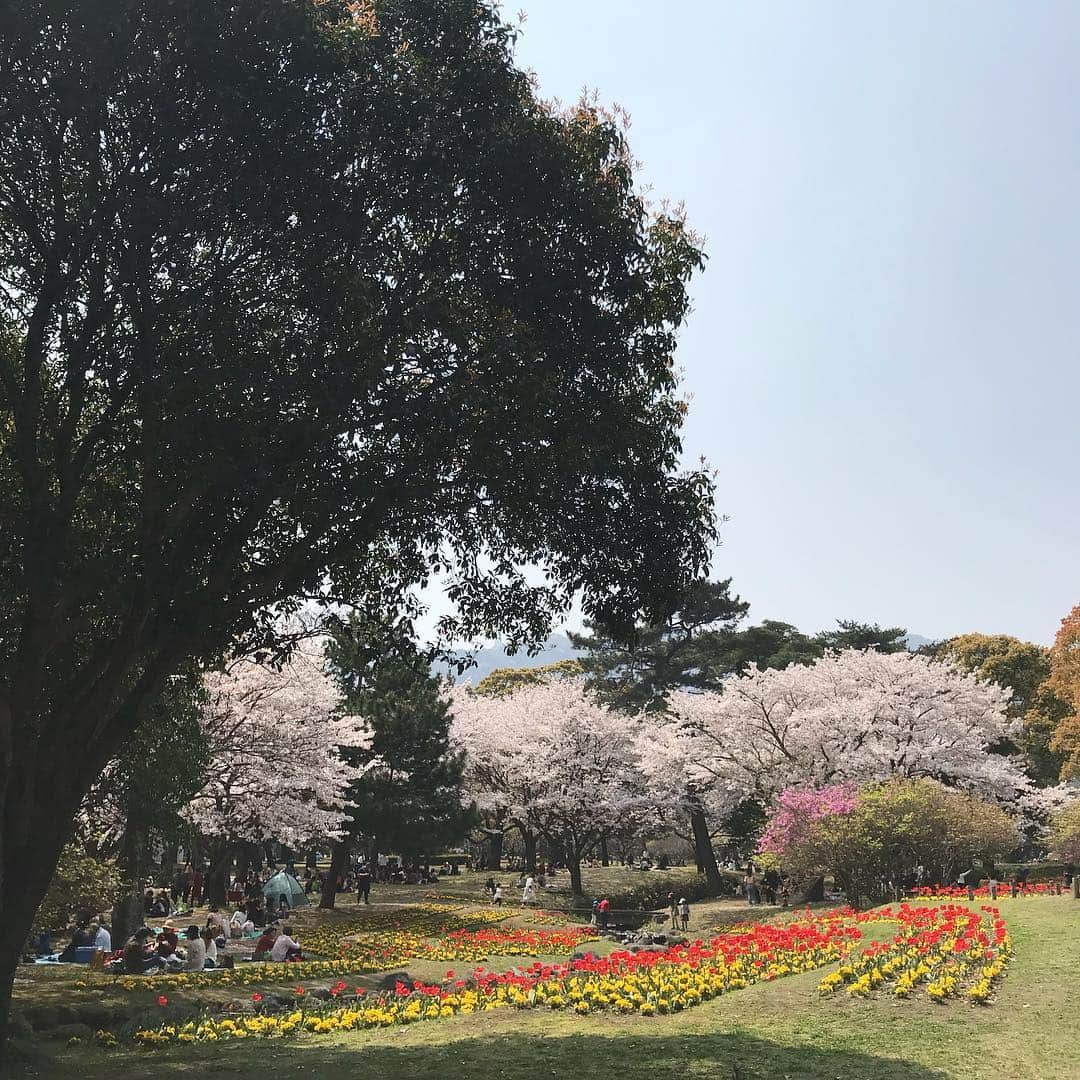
<point>883,352</point>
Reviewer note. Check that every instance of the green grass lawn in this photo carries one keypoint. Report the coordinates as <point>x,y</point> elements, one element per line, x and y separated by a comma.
<point>597,881</point>
<point>770,1030</point>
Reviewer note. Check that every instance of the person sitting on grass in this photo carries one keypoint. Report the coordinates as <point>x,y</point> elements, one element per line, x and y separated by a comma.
<point>211,947</point>
<point>265,943</point>
<point>139,958</point>
<point>167,940</point>
<point>286,948</point>
<point>239,924</point>
<point>496,896</point>
<point>99,936</point>
<point>194,950</point>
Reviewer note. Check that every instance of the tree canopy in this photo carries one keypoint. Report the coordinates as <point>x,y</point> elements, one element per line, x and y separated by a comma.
<point>409,799</point>
<point>307,298</point>
<point>1024,668</point>
<point>1064,681</point>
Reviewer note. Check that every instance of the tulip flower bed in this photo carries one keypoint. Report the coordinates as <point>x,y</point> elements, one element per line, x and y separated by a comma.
<point>646,983</point>
<point>959,892</point>
<point>951,949</point>
<point>361,951</point>
<point>421,920</point>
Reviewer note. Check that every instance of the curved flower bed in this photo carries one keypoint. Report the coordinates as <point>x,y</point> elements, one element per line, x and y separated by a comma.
<point>367,953</point>
<point>950,948</point>
<point>959,892</point>
<point>643,983</point>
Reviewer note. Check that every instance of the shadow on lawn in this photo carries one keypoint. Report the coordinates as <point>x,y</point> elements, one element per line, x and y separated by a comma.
<point>729,1056</point>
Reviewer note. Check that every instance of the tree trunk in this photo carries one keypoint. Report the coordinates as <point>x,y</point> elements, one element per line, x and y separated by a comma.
<point>169,859</point>
<point>127,913</point>
<point>35,821</point>
<point>494,855</point>
<point>573,863</point>
<point>217,876</point>
<point>703,850</point>
<point>339,858</point>
<point>313,859</point>
<point>604,858</point>
<point>243,862</point>
<point>529,839</point>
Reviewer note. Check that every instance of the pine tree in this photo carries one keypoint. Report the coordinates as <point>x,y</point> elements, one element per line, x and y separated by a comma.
<point>409,801</point>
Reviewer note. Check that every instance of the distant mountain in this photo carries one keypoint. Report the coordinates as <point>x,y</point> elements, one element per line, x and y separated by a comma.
<point>490,657</point>
<point>915,642</point>
<point>556,648</point>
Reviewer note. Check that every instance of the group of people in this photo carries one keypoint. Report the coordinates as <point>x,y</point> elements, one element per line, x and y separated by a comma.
<point>527,883</point>
<point>145,954</point>
<point>771,887</point>
<point>679,911</point>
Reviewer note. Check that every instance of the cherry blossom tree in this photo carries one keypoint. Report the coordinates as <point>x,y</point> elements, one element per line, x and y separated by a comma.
<point>275,770</point>
<point>857,716</point>
<point>551,758</point>
<point>797,808</point>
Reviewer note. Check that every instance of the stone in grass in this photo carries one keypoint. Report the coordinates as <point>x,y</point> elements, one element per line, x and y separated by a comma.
<point>390,982</point>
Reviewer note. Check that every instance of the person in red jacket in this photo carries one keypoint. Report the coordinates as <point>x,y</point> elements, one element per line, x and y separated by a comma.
<point>603,909</point>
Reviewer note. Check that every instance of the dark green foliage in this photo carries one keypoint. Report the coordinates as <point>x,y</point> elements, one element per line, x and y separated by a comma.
<point>851,634</point>
<point>689,649</point>
<point>409,802</point>
<point>770,644</point>
<point>305,305</point>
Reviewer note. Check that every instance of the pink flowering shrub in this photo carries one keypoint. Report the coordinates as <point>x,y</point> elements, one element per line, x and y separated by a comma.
<point>798,807</point>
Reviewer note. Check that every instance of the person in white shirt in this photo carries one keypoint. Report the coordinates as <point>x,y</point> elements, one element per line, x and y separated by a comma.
<point>211,947</point>
<point>285,947</point>
<point>194,949</point>
<point>102,939</point>
<point>238,923</point>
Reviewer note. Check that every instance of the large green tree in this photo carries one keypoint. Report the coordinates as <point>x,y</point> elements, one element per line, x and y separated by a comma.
<point>1024,668</point>
<point>688,649</point>
<point>306,299</point>
<point>409,801</point>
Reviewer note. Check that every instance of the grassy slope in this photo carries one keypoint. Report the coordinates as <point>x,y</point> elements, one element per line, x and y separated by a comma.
<point>768,1031</point>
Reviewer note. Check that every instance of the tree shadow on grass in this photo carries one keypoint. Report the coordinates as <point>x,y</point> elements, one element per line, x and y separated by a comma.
<point>721,1056</point>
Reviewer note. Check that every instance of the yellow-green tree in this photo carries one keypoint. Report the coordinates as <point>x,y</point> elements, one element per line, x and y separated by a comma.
<point>506,680</point>
<point>1024,668</point>
<point>1064,681</point>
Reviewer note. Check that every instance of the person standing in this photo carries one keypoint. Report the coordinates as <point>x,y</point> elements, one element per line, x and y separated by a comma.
<point>684,912</point>
<point>673,910</point>
<point>198,881</point>
<point>604,910</point>
<point>528,894</point>
<point>497,895</point>
<point>363,884</point>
